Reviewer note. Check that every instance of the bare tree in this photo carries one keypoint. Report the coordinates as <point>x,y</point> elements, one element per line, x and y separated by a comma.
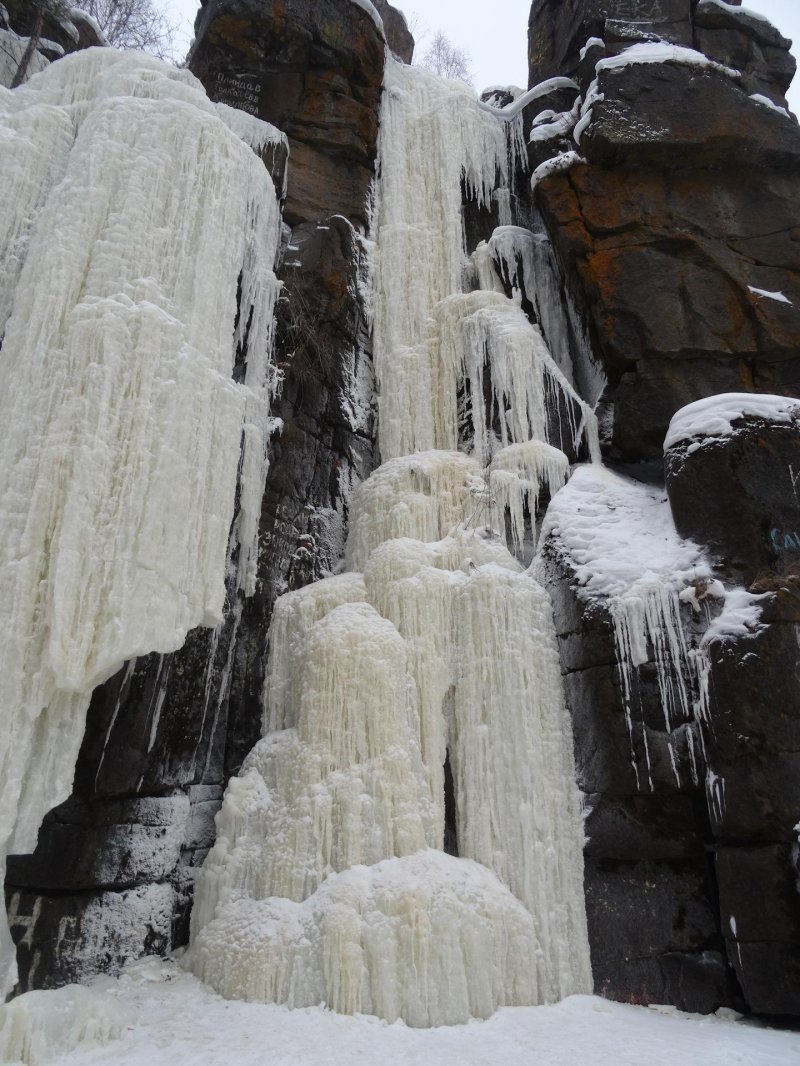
<point>56,9</point>
<point>444,59</point>
<point>134,24</point>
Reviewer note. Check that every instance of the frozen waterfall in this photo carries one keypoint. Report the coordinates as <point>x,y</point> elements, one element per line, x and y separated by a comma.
<point>125,436</point>
<point>329,882</point>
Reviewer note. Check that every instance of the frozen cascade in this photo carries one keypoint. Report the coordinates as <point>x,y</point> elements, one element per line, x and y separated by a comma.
<point>328,882</point>
<point>430,338</point>
<point>434,128</point>
<point>125,435</point>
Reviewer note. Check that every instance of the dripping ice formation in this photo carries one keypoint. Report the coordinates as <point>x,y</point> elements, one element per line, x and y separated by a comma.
<point>328,881</point>
<point>125,436</point>
<point>431,339</point>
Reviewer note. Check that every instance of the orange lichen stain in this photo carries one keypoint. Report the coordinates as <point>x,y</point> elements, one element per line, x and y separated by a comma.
<point>236,33</point>
<point>605,269</point>
<point>336,285</point>
<point>746,377</point>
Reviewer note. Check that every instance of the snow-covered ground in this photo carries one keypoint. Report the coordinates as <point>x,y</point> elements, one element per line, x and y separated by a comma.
<point>173,1019</point>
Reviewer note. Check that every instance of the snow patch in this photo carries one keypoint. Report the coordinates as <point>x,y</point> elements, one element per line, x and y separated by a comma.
<point>778,297</point>
<point>715,415</point>
<point>661,52</point>
<point>562,162</point>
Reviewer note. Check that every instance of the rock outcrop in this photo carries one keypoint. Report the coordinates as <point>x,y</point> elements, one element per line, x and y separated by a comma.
<point>675,229</point>
<point>680,221</point>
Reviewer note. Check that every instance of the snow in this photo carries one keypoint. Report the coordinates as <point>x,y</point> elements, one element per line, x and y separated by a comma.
<point>558,165</point>
<point>778,297</point>
<point>517,106</point>
<point>661,52</point>
<point>582,125</point>
<point>715,415</point>
<point>123,426</point>
<point>593,42</point>
<point>623,546</point>
<point>174,1018</point>
<point>554,125</point>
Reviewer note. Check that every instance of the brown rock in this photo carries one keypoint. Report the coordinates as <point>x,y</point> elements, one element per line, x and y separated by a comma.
<point>314,70</point>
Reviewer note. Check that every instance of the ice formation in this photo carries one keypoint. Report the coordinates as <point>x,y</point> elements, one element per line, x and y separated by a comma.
<point>328,882</point>
<point>125,435</point>
<point>429,939</point>
<point>38,1026</point>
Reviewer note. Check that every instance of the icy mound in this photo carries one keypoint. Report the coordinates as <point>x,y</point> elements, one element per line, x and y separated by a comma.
<point>429,939</point>
<point>130,213</point>
<point>37,1027</point>
<point>346,787</point>
<point>714,416</point>
<point>422,496</point>
<point>292,618</point>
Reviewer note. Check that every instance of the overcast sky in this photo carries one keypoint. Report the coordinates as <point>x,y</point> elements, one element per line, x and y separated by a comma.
<point>495,34</point>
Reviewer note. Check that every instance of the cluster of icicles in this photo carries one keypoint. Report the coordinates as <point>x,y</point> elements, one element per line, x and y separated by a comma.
<point>435,649</point>
<point>125,437</point>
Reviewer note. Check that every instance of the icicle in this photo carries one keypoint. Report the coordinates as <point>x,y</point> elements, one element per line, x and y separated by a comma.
<point>293,615</point>
<point>346,787</point>
<point>517,802</point>
<point>480,335</point>
<point>428,126</point>
<point>517,475</point>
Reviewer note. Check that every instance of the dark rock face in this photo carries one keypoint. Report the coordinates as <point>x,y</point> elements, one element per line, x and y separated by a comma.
<point>558,29</point>
<point>737,494</point>
<point>651,904</point>
<point>671,235</point>
<point>115,865</point>
<point>313,69</point>
<point>750,45</point>
<point>398,36</point>
<point>663,262</point>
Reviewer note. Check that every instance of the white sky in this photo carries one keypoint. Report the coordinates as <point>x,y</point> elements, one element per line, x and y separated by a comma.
<point>495,35</point>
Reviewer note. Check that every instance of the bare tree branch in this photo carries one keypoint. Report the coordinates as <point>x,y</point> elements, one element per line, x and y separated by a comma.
<point>444,59</point>
<point>134,24</point>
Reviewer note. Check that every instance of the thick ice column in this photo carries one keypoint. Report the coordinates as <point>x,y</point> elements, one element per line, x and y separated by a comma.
<point>292,618</point>
<point>516,797</point>
<point>424,496</point>
<point>433,128</point>
<point>345,787</point>
<point>137,213</point>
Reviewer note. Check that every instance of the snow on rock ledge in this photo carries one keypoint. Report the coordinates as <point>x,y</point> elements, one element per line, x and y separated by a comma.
<point>716,415</point>
<point>130,213</point>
